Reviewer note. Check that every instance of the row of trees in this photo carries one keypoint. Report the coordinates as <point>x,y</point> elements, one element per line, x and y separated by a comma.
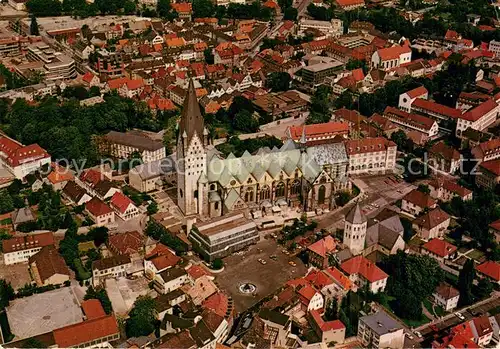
<point>160,233</point>
<point>238,147</point>
<point>44,8</point>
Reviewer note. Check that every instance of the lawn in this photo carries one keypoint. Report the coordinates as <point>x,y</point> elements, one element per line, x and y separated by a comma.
<point>436,310</point>
<point>6,221</point>
<point>428,305</point>
<point>416,323</point>
<point>476,254</point>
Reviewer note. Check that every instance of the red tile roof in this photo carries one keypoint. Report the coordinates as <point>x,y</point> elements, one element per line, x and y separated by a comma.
<point>25,242</point>
<point>339,278</point>
<point>121,202</point>
<point>479,111</point>
<point>59,174</point>
<point>135,84</point>
<point>48,263</point>
<point>325,326</point>
<point>92,309</point>
<point>182,7</point>
<point>306,293</point>
<point>197,272</point>
<point>314,130</point>
<point>451,35</point>
<point>87,77</point>
<point>394,52</point>
<point>347,3</point>
<point>117,83</point>
<point>97,208</point>
<point>445,151</point>
<point>417,92</point>
<point>368,145</point>
<point>16,154</point>
<point>218,303</point>
<point>482,325</point>
<point>91,176</point>
<point>318,279</point>
<point>323,246</point>
<point>419,121</point>
<point>450,186</point>
<point>162,257</point>
<point>358,74</point>
<point>86,331</point>
<point>364,267</point>
<point>420,199</point>
<point>495,225</point>
<point>447,291</point>
<point>492,166</point>
<point>436,108</point>
<point>441,248</point>
<point>491,269</point>
<point>432,218</point>
<point>126,243</point>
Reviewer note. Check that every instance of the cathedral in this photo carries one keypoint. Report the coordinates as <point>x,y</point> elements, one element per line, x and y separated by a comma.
<point>294,175</point>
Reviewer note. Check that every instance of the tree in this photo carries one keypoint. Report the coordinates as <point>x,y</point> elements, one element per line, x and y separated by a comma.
<point>217,264</point>
<point>279,81</point>
<point>101,295</point>
<point>331,311</point>
<point>484,288</point>
<point>209,56</point>
<point>424,188</point>
<point>6,293</point>
<point>142,318</point>
<point>99,235</point>
<point>34,26</point>
<point>356,64</point>
<point>152,208</point>
<point>465,283</point>
<point>320,105</point>
<point>203,8</point>
<point>290,13</point>
<point>245,121</point>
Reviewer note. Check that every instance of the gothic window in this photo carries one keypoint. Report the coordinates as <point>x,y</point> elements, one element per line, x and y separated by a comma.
<point>249,195</point>
<point>295,187</point>
<point>280,189</point>
<point>216,206</point>
<point>212,186</point>
<point>196,194</point>
<point>265,193</point>
<point>322,180</point>
<point>321,194</point>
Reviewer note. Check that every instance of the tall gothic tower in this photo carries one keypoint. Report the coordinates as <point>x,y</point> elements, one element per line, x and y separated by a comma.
<point>191,155</point>
<point>355,230</point>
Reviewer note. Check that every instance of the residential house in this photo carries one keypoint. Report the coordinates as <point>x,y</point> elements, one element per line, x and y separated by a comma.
<point>48,267</point>
<point>486,151</point>
<point>362,271</point>
<point>22,216</point>
<point>159,259</point>
<point>444,189</point>
<point>59,177</point>
<point>123,206</point>
<point>445,157</point>
<point>327,331</point>
<point>170,280</point>
<point>446,296</point>
<point>201,289</point>
<point>111,267</point>
<point>415,202</point>
<point>494,228</point>
<point>20,248</point>
<point>276,326</point>
<point>380,330</point>
<point>320,251</point>
<point>130,243</point>
<point>490,270</point>
<point>75,194</point>
<point>311,298</point>
<point>432,224</point>
<point>99,212</point>
<point>439,249</point>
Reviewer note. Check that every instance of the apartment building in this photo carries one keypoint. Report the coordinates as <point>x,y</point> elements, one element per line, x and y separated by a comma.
<point>371,155</point>
<point>380,330</point>
<point>317,73</point>
<point>494,46</point>
<point>410,121</point>
<point>110,64</point>
<point>478,118</point>
<point>332,29</point>
<point>10,47</point>
<point>56,65</point>
<point>111,267</point>
<point>20,248</point>
<point>222,236</point>
<point>21,160</point>
<point>487,151</point>
<point>123,144</point>
<point>170,280</point>
<point>446,296</point>
<point>489,174</point>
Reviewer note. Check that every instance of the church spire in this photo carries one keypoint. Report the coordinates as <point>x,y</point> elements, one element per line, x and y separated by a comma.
<point>191,118</point>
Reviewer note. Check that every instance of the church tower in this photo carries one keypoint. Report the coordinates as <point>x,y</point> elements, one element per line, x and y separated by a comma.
<point>355,230</point>
<point>191,155</point>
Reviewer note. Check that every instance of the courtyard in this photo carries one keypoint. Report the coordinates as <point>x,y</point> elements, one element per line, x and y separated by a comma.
<point>17,274</point>
<point>244,267</point>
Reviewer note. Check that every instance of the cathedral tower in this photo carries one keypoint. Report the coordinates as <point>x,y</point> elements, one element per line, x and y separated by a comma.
<point>355,230</point>
<point>191,155</point>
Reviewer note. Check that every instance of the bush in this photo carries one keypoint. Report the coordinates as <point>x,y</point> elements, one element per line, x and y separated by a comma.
<point>217,264</point>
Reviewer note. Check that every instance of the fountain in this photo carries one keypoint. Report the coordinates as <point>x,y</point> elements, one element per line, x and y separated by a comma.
<point>247,288</point>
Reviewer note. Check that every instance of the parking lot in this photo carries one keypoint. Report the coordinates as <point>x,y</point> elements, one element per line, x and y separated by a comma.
<point>17,274</point>
<point>245,268</point>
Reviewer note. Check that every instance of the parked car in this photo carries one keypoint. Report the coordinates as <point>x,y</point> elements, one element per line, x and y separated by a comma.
<point>418,334</point>
<point>408,334</point>
<point>292,263</point>
<point>262,261</point>
<point>460,316</point>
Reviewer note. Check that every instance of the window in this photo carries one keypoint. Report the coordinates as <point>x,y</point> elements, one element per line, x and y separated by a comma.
<point>265,193</point>
<point>321,194</point>
<point>280,189</point>
<point>295,189</point>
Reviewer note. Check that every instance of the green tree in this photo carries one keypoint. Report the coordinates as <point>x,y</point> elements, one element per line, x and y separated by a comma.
<point>245,121</point>
<point>34,26</point>
<point>465,283</point>
<point>217,264</point>
<point>424,188</point>
<point>141,321</point>
<point>356,64</point>
<point>484,288</point>
<point>209,56</point>
<point>320,105</point>
<point>279,81</point>
<point>203,8</point>
<point>290,14</point>
<point>6,293</point>
<point>152,208</point>
<point>99,235</point>
<point>331,311</point>
<point>6,202</point>
<point>163,8</point>
<point>101,295</point>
